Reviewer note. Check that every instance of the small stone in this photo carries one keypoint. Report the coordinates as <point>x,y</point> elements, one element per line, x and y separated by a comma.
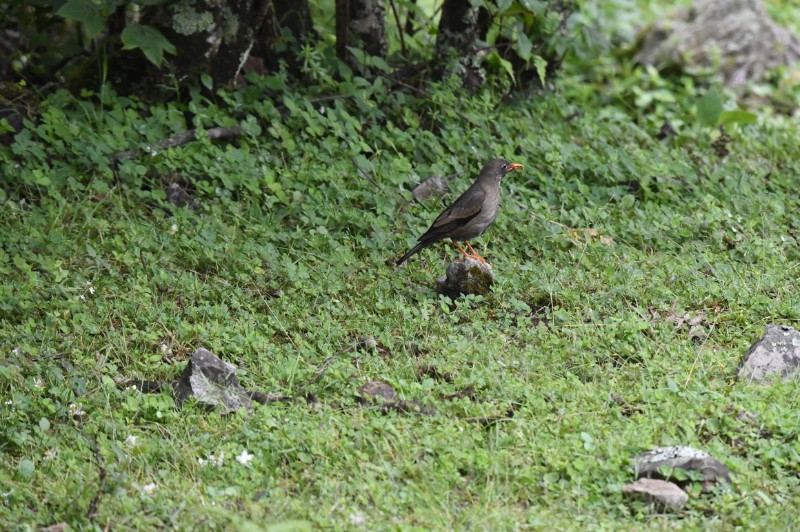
<point>212,382</point>
<point>665,495</point>
<point>433,187</point>
<point>776,354</point>
<point>370,344</point>
<point>177,195</point>
<point>464,277</point>
<point>374,389</point>
<point>366,343</point>
<point>58,527</point>
<point>697,333</point>
<point>648,464</point>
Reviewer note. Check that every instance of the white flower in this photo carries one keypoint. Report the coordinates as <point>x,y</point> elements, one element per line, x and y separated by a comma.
<point>202,461</point>
<point>38,382</point>
<point>75,410</point>
<point>216,460</point>
<point>15,351</point>
<point>9,402</point>
<point>173,229</point>
<point>149,488</point>
<point>83,297</point>
<point>244,458</point>
<point>130,441</point>
<point>357,518</point>
<point>91,289</point>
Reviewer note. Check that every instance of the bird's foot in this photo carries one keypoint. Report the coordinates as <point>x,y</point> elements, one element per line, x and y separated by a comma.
<point>479,258</point>
<point>474,254</point>
<point>471,254</point>
<point>461,249</point>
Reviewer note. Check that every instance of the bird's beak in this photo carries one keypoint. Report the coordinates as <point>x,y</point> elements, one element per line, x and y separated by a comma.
<point>514,166</point>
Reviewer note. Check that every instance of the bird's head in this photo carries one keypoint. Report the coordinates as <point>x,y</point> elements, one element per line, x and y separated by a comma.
<point>498,168</point>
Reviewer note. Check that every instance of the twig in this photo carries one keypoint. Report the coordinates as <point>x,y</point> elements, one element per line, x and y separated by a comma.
<point>101,486</point>
<point>215,133</point>
<point>404,407</point>
<point>267,398</point>
<point>329,98</point>
<point>399,29</point>
<point>488,421</point>
<point>143,385</point>
<point>366,175</point>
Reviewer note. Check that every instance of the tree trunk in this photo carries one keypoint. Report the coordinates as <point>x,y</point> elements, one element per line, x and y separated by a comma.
<point>460,27</point>
<point>289,23</point>
<point>210,37</point>
<point>360,24</point>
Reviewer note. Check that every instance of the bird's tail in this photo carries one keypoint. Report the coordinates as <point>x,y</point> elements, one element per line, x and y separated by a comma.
<point>413,250</point>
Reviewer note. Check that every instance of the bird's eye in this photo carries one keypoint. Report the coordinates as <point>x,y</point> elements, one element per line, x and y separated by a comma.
<point>505,167</point>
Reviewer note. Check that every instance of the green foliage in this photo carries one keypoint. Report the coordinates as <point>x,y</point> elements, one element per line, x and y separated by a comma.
<point>709,108</point>
<point>93,16</point>
<point>89,13</point>
<point>606,240</point>
<point>151,41</point>
<point>711,114</point>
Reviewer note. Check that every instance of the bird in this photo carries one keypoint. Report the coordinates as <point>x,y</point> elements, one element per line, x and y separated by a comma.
<point>470,214</point>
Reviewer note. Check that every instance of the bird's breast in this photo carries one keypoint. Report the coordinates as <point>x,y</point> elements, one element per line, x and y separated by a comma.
<point>481,222</point>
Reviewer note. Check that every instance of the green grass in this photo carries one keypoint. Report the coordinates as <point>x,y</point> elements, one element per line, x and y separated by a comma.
<point>284,266</point>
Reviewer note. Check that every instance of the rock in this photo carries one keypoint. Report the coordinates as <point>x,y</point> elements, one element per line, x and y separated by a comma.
<point>738,36</point>
<point>212,382</point>
<point>58,527</point>
<point>374,389</point>
<point>777,353</point>
<point>177,195</point>
<point>466,276</point>
<point>665,495</point>
<point>366,343</point>
<point>697,333</point>
<point>648,463</point>
<point>433,187</point>
<point>370,345</point>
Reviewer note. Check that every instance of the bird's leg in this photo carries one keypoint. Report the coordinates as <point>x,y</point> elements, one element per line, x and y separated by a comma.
<point>474,254</point>
<point>461,249</point>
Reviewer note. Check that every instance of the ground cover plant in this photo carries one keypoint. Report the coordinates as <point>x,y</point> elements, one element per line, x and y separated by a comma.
<point>633,272</point>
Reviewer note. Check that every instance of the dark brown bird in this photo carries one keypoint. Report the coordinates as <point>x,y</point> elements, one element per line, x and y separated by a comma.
<point>469,215</point>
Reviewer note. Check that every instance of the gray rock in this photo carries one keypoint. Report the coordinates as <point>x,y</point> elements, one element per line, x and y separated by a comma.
<point>433,187</point>
<point>212,382</point>
<point>370,391</point>
<point>776,354</point>
<point>58,527</point>
<point>466,276</point>
<point>649,463</point>
<point>178,195</point>
<point>663,494</point>
<point>366,343</point>
<point>736,36</point>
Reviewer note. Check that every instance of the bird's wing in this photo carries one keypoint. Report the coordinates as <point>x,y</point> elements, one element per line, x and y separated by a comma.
<point>464,209</point>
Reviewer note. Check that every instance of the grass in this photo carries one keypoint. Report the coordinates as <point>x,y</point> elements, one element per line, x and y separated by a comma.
<point>603,242</point>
